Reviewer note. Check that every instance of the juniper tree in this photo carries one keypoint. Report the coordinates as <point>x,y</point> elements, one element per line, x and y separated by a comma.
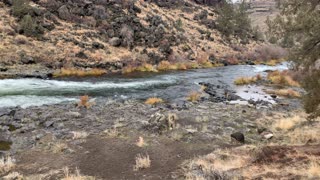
<point>299,24</point>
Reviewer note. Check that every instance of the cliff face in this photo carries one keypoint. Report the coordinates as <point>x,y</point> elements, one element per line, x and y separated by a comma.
<point>108,34</point>
<point>260,10</point>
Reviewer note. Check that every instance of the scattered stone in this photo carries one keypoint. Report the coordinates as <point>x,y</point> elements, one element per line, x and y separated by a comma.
<point>267,135</point>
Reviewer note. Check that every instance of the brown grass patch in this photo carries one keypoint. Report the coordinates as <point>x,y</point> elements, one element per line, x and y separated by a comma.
<point>285,93</point>
<point>282,78</point>
<point>142,162</point>
<point>287,123</point>
<point>245,80</point>
<point>78,72</point>
<point>153,100</point>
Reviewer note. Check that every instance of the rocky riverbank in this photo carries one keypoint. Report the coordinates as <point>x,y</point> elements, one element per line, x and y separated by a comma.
<point>102,140</point>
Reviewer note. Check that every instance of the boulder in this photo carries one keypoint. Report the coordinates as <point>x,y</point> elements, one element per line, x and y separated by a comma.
<point>238,136</point>
<point>64,12</point>
<point>115,42</point>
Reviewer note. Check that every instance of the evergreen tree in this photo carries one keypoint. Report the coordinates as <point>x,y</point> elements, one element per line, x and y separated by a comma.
<point>299,26</point>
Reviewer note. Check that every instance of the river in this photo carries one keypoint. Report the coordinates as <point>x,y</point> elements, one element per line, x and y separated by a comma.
<point>170,86</point>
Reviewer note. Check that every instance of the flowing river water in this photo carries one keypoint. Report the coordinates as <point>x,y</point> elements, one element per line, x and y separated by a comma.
<point>170,86</point>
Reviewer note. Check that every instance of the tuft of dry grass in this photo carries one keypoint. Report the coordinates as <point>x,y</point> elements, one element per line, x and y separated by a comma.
<point>166,65</point>
<point>6,164</point>
<point>153,101</point>
<point>79,135</point>
<point>140,142</point>
<point>145,67</point>
<point>285,93</point>
<point>314,169</point>
<point>84,102</point>
<point>13,176</point>
<point>194,96</point>
<point>114,132</point>
<point>142,162</point>
<point>59,147</point>
<point>282,78</point>
<point>78,72</point>
<point>245,80</point>
<point>75,176</point>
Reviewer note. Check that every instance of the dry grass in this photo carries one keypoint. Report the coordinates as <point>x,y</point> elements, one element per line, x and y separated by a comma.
<point>245,80</point>
<point>75,176</point>
<point>78,72</point>
<point>6,164</point>
<point>217,164</point>
<point>13,176</point>
<point>79,135</point>
<point>153,101</point>
<point>142,68</point>
<point>194,96</point>
<point>142,162</point>
<point>314,169</point>
<point>113,132</point>
<point>140,142</point>
<point>84,102</point>
<point>166,65</point>
<point>287,123</point>
<point>58,147</point>
<point>303,135</point>
<point>285,93</point>
<point>282,78</point>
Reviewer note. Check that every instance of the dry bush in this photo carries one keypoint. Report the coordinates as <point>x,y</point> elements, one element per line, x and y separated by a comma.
<point>232,60</point>
<point>153,101</point>
<point>285,93</point>
<point>194,96</point>
<point>78,72</point>
<point>75,176</point>
<point>269,52</point>
<point>203,60</point>
<point>282,78</point>
<point>142,162</point>
<point>6,164</point>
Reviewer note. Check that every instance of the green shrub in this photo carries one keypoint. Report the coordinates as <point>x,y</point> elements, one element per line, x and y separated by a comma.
<point>20,8</point>
<point>29,27</point>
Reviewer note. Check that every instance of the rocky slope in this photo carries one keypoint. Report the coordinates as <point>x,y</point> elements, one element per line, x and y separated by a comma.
<point>38,37</point>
